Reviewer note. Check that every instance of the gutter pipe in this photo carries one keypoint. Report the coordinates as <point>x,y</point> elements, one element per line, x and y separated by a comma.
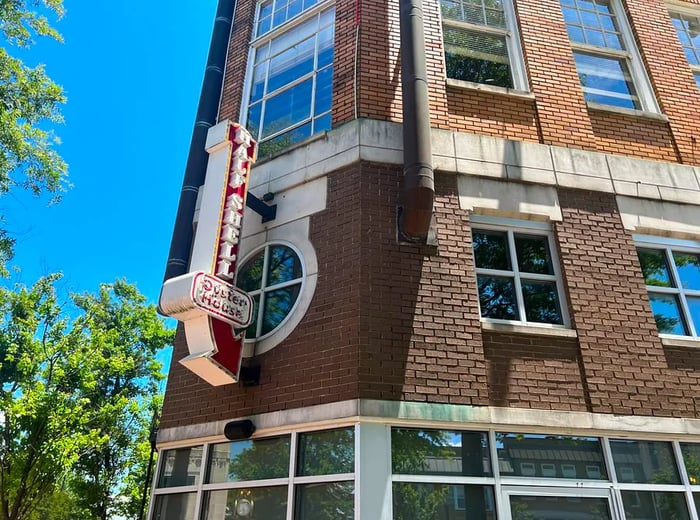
<point>207,114</point>
<point>415,219</point>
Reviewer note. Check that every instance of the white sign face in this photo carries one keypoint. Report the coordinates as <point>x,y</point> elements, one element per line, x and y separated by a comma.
<point>204,299</point>
<point>222,300</point>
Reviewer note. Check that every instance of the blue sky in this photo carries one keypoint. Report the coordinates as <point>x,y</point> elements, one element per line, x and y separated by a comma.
<point>132,71</point>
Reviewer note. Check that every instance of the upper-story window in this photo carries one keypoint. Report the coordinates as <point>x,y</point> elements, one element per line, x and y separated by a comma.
<point>672,276</point>
<point>481,42</point>
<point>518,274</point>
<point>688,29</point>
<point>290,73</point>
<point>608,64</point>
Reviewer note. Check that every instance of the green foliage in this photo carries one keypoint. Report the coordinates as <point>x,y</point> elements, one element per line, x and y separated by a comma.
<point>29,103</point>
<point>77,380</point>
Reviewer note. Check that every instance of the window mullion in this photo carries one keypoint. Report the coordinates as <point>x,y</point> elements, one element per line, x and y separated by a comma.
<point>263,283</point>
<point>292,471</point>
<point>198,513</point>
<point>516,277</point>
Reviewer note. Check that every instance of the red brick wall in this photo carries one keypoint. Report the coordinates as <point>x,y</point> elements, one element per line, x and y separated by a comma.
<point>625,365</point>
<point>534,372</point>
<point>401,322</point>
<point>371,88</point>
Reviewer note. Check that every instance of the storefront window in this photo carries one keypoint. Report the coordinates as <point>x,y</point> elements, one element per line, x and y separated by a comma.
<point>644,462</point>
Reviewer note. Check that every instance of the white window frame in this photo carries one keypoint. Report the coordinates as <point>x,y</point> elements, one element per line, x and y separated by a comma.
<point>683,10</point>
<point>511,227</point>
<point>504,486</point>
<point>631,55</point>
<point>257,42</point>
<point>512,37</point>
<point>292,481</point>
<point>669,245</point>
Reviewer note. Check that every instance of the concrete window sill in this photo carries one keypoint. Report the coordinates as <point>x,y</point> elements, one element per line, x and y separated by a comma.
<point>534,330</point>
<point>627,111</point>
<point>679,341</point>
<point>491,89</point>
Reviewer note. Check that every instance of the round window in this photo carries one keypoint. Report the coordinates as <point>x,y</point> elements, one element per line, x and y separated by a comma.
<point>273,278</point>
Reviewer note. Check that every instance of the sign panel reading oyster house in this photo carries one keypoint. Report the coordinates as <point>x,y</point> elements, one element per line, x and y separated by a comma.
<point>204,299</point>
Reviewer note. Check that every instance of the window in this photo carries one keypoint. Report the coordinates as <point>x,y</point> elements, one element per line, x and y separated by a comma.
<point>273,276</point>
<point>672,276</point>
<point>608,64</point>
<point>290,73</point>
<point>255,478</point>
<point>481,42</point>
<point>517,274</point>
<point>688,30</point>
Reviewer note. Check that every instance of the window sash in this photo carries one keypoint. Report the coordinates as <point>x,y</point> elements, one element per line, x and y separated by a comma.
<point>519,277</point>
<point>644,97</point>
<point>509,33</point>
<point>263,52</point>
<point>677,289</point>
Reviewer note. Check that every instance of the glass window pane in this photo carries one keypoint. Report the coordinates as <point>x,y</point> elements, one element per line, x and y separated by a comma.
<point>696,497</point>
<point>324,91</point>
<point>322,123</point>
<point>249,460</point>
<point>576,34</point>
<point>250,275</point>
<point>252,329</point>
<point>440,452</point>
<point>571,15</point>
<point>491,250</point>
<point>325,47</point>
<point>174,507</point>
<point>278,304</point>
<point>326,452</point>
<point>606,80</point>
<point>688,265</point>
<point>644,462</point>
<point>443,502</point>
<point>291,64</point>
<point>257,88</point>
<point>269,503</point>
<point>497,298</point>
<point>594,38</point>
<point>643,505</point>
<point>180,467</point>
<point>332,501</point>
<point>559,507</point>
<point>542,302</point>
<point>287,108</point>
<point>691,458</point>
<point>533,254</point>
<point>551,456</point>
<point>477,57</point>
<point>289,38</point>
<point>694,307</point>
<point>590,19</point>
<point>283,265</point>
<point>654,267</point>
<point>667,314</point>
<point>697,78</point>
<point>284,140</point>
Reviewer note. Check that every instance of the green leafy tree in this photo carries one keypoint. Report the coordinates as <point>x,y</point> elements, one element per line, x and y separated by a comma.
<point>45,375</point>
<point>77,380</point>
<point>29,105</point>
<point>125,334</point>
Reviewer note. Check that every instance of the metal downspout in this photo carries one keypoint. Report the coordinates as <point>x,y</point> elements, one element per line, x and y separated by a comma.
<point>416,204</point>
<point>207,113</point>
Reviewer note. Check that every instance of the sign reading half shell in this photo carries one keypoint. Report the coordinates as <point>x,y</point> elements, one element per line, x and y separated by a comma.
<point>204,299</point>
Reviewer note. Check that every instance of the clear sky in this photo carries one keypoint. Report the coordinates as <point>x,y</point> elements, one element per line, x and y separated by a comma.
<point>132,71</point>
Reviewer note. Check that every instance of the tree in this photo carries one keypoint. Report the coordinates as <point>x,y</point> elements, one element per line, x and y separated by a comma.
<point>44,374</point>
<point>29,100</point>
<point>125,335</point>
<point>77,381</point>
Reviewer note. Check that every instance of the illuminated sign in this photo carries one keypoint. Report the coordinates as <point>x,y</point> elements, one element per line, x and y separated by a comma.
<point>204,299</point>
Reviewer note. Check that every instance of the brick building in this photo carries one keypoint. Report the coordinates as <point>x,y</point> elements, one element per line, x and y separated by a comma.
<point>533,353</point>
